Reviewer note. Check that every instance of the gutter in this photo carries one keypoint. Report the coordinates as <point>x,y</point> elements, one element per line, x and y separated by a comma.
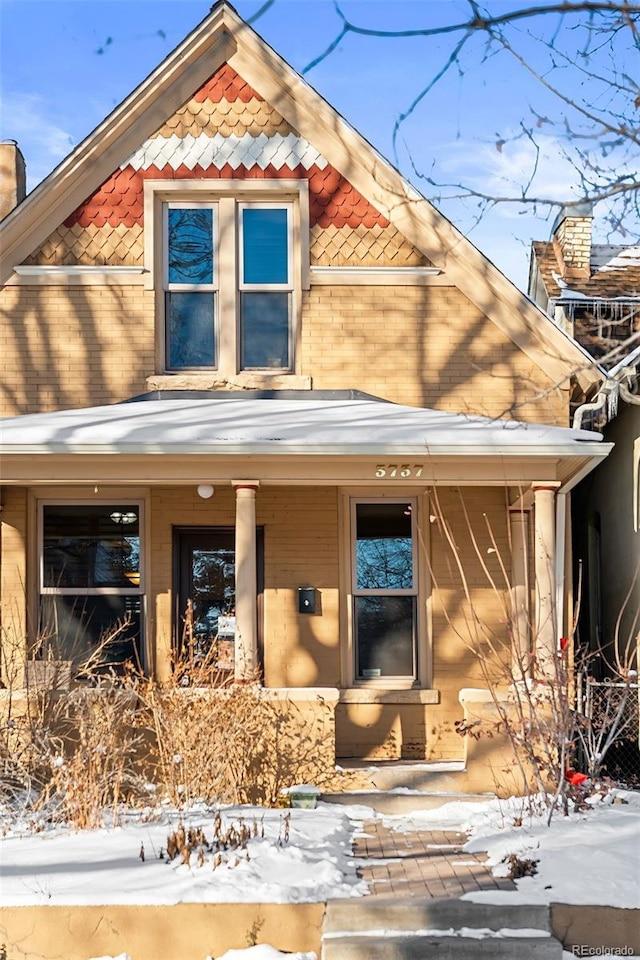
<point>615,386</point>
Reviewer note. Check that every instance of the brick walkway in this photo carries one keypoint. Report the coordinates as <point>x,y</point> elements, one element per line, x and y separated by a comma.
<point>423,863</point>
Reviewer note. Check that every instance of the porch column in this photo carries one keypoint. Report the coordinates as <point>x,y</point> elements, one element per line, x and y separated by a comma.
<point>13,585</point>
<point>246,645</point>
<point>520,622</point>
<point>545,565</point>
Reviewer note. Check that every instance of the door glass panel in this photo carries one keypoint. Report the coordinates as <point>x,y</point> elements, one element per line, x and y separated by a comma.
<point>206,596</point>
<point>384,547</point>
<point>385,636</point>
<point>213,593</point>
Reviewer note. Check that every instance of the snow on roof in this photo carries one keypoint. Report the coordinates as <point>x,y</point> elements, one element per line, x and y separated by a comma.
<point>239,426</point>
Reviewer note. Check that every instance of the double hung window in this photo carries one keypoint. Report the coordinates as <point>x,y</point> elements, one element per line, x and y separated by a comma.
<point>384,589</point>
<point>90,581</point>
<point>190,298</point>
<point>228,286</point>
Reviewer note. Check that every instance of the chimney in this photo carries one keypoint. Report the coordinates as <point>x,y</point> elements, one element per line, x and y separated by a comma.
<point>571,236</point>
<point>13,180</point>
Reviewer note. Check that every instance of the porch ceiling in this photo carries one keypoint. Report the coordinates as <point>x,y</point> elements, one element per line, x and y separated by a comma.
<point>293,440</point>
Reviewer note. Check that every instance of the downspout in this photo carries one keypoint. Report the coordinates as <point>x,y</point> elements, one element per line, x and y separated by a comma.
<point>607,389</point>
<point>627,396</point>
<point>561,545</point>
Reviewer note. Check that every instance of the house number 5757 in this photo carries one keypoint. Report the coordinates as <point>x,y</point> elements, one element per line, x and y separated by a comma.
<point>402,471</point>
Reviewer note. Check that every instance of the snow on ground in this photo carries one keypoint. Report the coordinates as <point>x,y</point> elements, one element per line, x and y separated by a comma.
<point>591,857</point>
<point>588,857</point>
<point>60,867</point>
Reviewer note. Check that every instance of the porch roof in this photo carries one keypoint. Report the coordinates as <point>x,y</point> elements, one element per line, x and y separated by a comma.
<point>264,427</point>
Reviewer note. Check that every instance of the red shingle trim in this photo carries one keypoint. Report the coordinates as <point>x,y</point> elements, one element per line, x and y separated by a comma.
<point>226,84</point>
<point>332,199</point>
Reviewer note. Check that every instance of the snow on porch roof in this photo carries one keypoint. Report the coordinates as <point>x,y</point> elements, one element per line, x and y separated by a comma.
<point>284,426</point>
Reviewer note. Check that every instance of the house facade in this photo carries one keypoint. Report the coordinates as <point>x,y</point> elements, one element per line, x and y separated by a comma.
<point>261,397</point>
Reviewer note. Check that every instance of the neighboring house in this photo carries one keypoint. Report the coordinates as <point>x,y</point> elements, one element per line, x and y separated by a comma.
<point>247,365</point>
<point>593,292</point>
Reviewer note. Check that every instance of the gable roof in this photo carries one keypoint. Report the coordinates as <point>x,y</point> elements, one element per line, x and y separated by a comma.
<point>223,37</point>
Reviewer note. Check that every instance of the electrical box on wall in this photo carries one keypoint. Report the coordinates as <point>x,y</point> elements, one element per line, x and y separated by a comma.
<point>306,599</point>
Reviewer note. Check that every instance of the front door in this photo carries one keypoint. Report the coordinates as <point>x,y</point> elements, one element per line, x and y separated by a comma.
<point>205,594</point>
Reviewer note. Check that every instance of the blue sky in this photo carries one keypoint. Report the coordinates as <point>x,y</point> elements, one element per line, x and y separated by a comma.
<point>67,63</point>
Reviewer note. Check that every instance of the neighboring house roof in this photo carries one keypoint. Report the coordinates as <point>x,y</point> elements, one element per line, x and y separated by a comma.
<point>591,290</point>
<point>615,272</point>
<point>321,137</point>
<point>230,427</point>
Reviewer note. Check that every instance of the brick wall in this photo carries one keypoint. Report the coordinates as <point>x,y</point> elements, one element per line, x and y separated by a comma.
<point>73,346</point>
<point>13,584</point>
<point>301,549</point>
<point>423,346</point>
<point>573,246</point>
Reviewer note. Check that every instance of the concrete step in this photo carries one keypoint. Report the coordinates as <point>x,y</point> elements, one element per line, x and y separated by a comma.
<point>386,945</point>
<point>445,776</point>
<point>388,929</point>
<point>404,801</point>
<point>361,914</point>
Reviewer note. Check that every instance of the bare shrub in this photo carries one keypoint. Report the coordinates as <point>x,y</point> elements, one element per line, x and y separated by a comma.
<point>534,701</point>
<point>68,739</point>
<point>92,753</point>
<point>80,738</point>
<point>231,742</point>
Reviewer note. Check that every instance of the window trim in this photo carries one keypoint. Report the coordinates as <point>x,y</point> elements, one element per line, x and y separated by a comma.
<point>243,287</point>
<point>228,194</point>
<point>98,502</point>
<point>419,497</point>
<point>212,288</point>
<point>136,591</point>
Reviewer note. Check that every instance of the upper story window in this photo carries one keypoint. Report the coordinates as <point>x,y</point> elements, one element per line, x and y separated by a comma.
<point>228,290</point>
<point>190,299</point>
<point>265,284</point>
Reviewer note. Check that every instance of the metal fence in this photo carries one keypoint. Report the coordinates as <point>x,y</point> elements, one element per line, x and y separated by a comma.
<point>599,701</point>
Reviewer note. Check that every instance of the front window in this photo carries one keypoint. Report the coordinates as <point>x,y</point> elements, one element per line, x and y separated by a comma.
<point>90,582</point>
<point>384,589</point>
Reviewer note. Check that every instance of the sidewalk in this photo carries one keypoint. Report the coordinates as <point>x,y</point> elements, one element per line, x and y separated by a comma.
<point>422,863</point>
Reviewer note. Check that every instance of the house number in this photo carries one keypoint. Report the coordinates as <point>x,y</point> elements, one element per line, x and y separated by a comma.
<point>402,471</point>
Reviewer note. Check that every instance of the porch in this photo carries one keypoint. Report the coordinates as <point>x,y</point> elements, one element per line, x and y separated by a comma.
<point>312,537</point>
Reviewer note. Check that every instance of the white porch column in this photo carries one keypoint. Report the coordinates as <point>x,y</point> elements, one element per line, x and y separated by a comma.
<point>246,645</point>
<point>520,621</point>
<point>544,495</point>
